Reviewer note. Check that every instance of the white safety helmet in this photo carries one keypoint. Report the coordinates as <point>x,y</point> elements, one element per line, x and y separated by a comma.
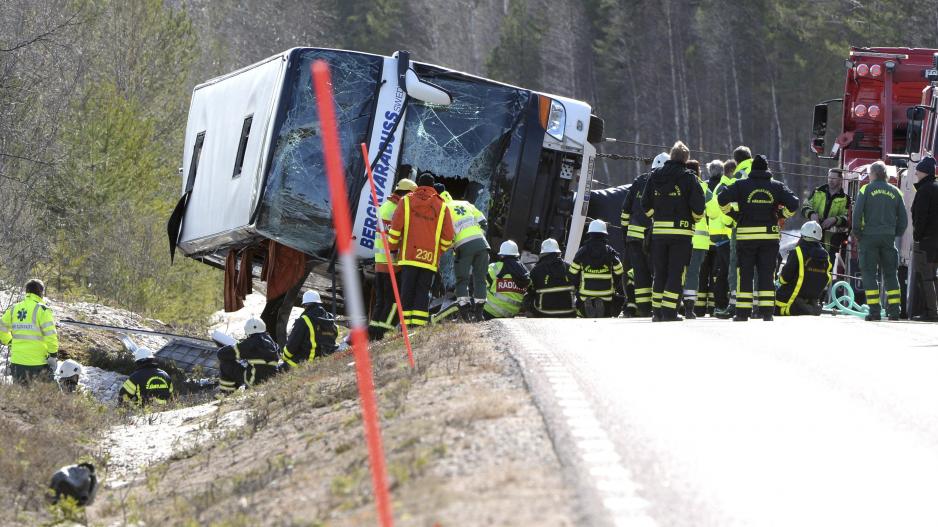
<point>142,353</point>
<point>812,231</point>
<point>311,297</point>
<point>508,248</point>
<point>550,245</point>
<point>67,368</point>
<point>253,326</point>
<point>598,226</point>
<point>660,160</point>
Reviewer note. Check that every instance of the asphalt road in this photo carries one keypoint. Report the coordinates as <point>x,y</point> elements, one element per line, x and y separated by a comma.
<point>827,421</point>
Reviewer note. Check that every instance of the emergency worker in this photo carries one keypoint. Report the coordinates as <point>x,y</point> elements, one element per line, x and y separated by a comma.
<point>384,311</point>
<point>925,236</point>
<point>313,335</point>
<point>598,273</point>
<point>726,252</point>
<point>634,224</point>
<point>879,217</point>
<point>28,329</point>
<point>249,362</point>
<point>68,374</point>
<point>507,282</point>
<point>697,278</point>
<point>421,231</point>
<point>471,259</point>
<point>830,206</point>
<point>148,383</point>
<point>674,199</point>
<point>742,159</point>
<point>760,199</point>
<point>805,276</point>
<point>552,291</point>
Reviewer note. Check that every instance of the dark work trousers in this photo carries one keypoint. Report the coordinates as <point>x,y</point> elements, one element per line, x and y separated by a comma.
<point>756,256</point>
<point>25,374</point>
<point>231,376</point>
<point>384,312</point>
<point>878,253</point>
<point>415,294</point>
<point>670,254</point>
<point>471,266</point>
<point>721,262</point>
<point>926,264</point>
<point>641,274</point>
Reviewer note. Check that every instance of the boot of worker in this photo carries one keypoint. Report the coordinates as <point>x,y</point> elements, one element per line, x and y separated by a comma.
<point>725,314</point>
<point>642,311</point>
<point>465,312</point>
<point>875,314</point>
<point>767,315</point>
<point>656,314</point>
<point>478,310</point>
<point>689,310</point>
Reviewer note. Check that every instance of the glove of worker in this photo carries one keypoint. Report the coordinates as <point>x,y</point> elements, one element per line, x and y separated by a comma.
<point>53,363</point>
<point>828,223</point>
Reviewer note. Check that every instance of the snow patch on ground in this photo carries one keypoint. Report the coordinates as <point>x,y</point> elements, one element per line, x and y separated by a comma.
<point>155,437</point>
<point>232,324</point>
<point>102,384</point>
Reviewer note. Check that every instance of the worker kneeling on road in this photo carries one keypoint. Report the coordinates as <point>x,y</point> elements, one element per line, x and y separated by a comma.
<point>805,276</point>
<point>148,383</point>
<point>28,328</point>
<point>552,290</point>
<point>507,280</point>
<point>313,335</point>
<point>598,271</point>
<point>249,362</point>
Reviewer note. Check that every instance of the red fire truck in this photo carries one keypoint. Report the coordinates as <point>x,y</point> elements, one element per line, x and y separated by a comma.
<point>889,114</point>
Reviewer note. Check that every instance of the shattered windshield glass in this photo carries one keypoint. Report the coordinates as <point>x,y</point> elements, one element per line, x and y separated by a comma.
<point>295,208</point>
<point>469,138</point>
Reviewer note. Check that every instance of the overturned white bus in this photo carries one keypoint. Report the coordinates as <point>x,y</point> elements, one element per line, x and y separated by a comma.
<point>253,173</point>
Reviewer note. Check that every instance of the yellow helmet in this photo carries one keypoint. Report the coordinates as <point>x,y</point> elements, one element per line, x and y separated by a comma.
<point>406,185</point>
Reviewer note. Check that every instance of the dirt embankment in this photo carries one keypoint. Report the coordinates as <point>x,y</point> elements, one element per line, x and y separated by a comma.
<point>464,443</point>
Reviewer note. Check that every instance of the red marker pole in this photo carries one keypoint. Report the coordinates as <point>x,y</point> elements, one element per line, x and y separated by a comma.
<point>387,254</point>
<point>322,83</point>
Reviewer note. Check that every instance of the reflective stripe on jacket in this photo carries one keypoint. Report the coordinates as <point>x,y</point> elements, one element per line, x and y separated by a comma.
<point>422,229</point>
<point>701,238</point>
<point>805,275</point>
<point>719,223</point>
<point>29,329</point>
<point>505,296</point>
<point>386,212</point>
<point>467,222</point>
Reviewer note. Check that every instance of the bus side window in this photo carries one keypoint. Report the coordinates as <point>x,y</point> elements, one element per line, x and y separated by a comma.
<point>242,145</point>
<point>194,162</point>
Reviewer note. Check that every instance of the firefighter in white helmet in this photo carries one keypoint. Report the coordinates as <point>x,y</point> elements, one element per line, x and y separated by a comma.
<point>805,275</point>
<point>249,362</point>
<point>148,384</point>
<point>313,335</point>
<point>598,274</point>
<point>552,291</point>
<point>68,374</point>
<point>507,282</point>
<point>634,223</point>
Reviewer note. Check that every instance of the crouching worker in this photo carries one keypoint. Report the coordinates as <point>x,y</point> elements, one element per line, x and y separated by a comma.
<point>507,280</point>
<point>148,383</point>
<point>805,276</point>
<point>598,271</point>
<point>552,290</point>
<point>68,374</point>
<point>249,362</point>
<point>313,335</point>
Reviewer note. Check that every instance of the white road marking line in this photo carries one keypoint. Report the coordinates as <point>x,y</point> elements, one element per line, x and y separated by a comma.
<point>612,481</point>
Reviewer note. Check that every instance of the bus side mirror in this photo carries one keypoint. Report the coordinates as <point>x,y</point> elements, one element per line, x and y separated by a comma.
<point>425,91</point>
<point>819,130</point>
<point>913,132</point>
